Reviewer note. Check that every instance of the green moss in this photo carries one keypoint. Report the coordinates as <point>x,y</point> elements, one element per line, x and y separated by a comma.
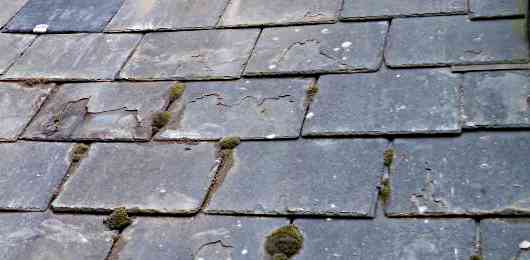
<point>476,257</point>
<point>176,91</point>
<point>285,242</point>
<point>230,142</point>
<point>312,91</point>
<point>161,119</point>
<point>79,152</point>
<point>385,191</point>
<point>389,157</point>
<point>280,257</point>
<point>118,220</point>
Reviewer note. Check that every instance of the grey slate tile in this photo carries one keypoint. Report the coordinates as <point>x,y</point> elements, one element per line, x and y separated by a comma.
<point>164,178</point>
<point>455,40</point>
<point>367,9</point>
<point>10,9</point>
<point>74,57</point>
<point>12,46</point>
<point>478,173</point>
<point>497,8</point>
<point>100,111</point>
<point>382,103</point>
<point>211,54</point>
<point>500,238</point>
<point>307,177</point>
<point>330,48</point>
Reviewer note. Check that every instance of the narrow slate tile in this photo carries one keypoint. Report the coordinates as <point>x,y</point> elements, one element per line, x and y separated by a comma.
<point>100,111</point>
<point>12,45</point>
<point>250,109</point>
<point>455,40</point>
<point>381,103</point>
<point>478,173</point>
<point>497,99</point>
<point>30,173</point>
<point>344,47</point>
<point>163,178</point>
<point>309,177</point>
<point>367,9</point>
<point>500,238</point>
<point>10,9</point>
<point>497,8</point>
<point>75,57</point>
<point>37,236</point>
<point>274,12</point>
<point>211,54</point>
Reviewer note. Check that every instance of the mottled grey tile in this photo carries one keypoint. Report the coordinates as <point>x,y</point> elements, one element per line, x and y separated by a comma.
<point>12,45</point>
<point>497,8</point>
<point>369,9</point>
<point>10,9</point>
<point>500,238</point>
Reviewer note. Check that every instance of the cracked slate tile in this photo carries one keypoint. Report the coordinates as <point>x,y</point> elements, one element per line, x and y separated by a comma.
<point>478,173</point>
<point>308,177</point>
<point>12,46</point>
<point>368,9</point>
<point>381,103</point>
<point>191,55</point>
<point>455,40</point>
<point>330,48</point>
<point>100,111</point>
<point>10,9</point>
<point>200,237</point>
<point>497,8</point>
<point>30,173</point>
<point>500,238</point>
<point>147,178</point>
<point>145,15</point>
<point>250,109</point>
<point>37,236</point>
<point>74,57</point>
<point>497,99</point>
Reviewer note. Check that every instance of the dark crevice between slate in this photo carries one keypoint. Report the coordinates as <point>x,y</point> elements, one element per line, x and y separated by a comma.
<point>311,92</point>
<point>4,27</point>
<point>129,57</point>
<point>252,50</point>
<point>6,70</point>
<point>117,243</point>
<point>492,67</point>
<point>174,98</point>
<point>386,46</point>
<point>222,13</point>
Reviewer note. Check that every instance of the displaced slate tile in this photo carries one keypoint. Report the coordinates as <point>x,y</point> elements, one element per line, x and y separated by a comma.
<point>309,177</point>
<point>10,9</point>
<point>100,111</point>
<point>12,45</point>
<point>497,8</point>
<point>344,47</point>
<point>74,57</point>
<point>478,173</point>
<point>381,103</point>
<point>368,9</point>
<point>500,238</point>
<point>455,40</point>
<point>163,178</point>
<point>30,173</point>
<point>208,54</point>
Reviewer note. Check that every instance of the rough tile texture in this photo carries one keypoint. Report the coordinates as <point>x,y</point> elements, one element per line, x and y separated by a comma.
<point>497,8</point>
<point>12,45</point>
<point>9,9</point>
<point>165,178</point>
<point>345,47</point>
<point>212,54</point>
<point>309,177</point>
<point>476,173</point>
<point>381,103</point>
<point>453,40</point>
<point>369,9</point>
<point>500,239</point>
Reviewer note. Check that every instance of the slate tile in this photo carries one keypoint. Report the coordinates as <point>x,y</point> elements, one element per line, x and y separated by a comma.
<point>211,54</point>
<point>497,99</point>
<point>100,111</point>
<point>455,40</point>
<point>30,173</point>
<point>200,237</point>
<point>163,178</point>
<point>381,103</point>
<point>500,238</point>
<point>367,9</point>
<point>12,45</point>
<point>309,177</point>
<point>274,12</point>
<point>478,173</point>
<point>37,236</point>
<point>497,8</point>
<point>10,9</point>
<point>75,57</point>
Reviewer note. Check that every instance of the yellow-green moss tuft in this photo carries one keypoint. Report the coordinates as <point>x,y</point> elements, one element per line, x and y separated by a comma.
<point>79,152</point>
<point>160,119</point>
<point>280,257</point>
<point>118,220</point>
<point>230,142</point>
<point>389,157</point>
<point>176,91</point>
<point>312,91</point>
<point>476,257</point>
<point>285,242</point>
<point>385,191</point>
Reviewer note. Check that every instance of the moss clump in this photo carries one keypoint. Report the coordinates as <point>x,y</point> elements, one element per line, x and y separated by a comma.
<point>388,157</point>
<point>79,152</point>
<point>279,257</point>
<point>118,220</point>
<point>284,242</point>
<point>476,257</point>
<point>161,119</point>
<point>176,91</point>
<point>385,191</point>
<point>229,143</point>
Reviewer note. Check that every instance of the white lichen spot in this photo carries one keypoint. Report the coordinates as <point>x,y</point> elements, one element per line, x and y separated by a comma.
<point>346,44</point>
<point>297,29</point>
<point>40,28</point>
<point>333,206</point>
<point>422,209</point>
<point>272,136</point>
<point>525,245</point>
<point>272,66</point>
<point>484,166</point>
<point>337,255</point>
<point>310,115</point>
<point>324,31</point>
<point>344,58</point>
<point>398,76</point>
<point>329,219</point>
<point>162,190</point>
<point>244,252</point>
<point>336,49</point>
<point>426,221</point>
<point>275,38</point>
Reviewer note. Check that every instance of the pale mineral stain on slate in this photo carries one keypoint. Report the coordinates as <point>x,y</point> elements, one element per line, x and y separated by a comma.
<point>498,8</point>
<point>9,9</point>
<point>500,238</point>
<point>344,47</point>
<point>368,9</point>
<point>382,103</point>
<point>12,45</point>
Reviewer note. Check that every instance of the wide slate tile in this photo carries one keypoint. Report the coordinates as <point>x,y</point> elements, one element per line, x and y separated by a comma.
<point>75,57</point>
<point>500,238</point>
<point>478,173</point>
<point>10,9</point>
<point>211,54</point>
<point>381,103</point>
<point>497,8</point>
<point>455,40</point>
<point>12,45</point>
<point>330,48</point>
<point>308,177</point>
<point>368,9</point>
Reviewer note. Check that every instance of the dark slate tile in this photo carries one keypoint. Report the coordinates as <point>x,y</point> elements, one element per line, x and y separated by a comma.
<point>10,9</point>
<point>478,173</point>
<point>75,57</point>
<point>37,236</point>
<point>501,238</point>
<point>497,8</point>
<point>100,111</point>
<point>12,45</point>
<point>308,177</point>
<point>211,54</point>
<point>368,9</point>
<point>330,48</point>
<point>381,103</point>
<point>497,99</point>
<point>455,40</point>
<point>164,178</point>
<point>30,173</point>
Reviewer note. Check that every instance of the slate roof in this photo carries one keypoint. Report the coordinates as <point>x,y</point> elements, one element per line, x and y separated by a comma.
<point>381,129</point>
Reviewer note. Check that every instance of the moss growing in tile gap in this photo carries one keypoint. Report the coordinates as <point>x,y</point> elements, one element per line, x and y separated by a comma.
<point>285,242</point>
<point>118,220</point>
<point>311,92</point>
<point>230,142</point>
<point>35,82</point>
<point>160,119</point>
<point>176,91</point>
<point>476,257</point>
<point>385,190</point>
<point>388,157</point>
<point>79,152</point>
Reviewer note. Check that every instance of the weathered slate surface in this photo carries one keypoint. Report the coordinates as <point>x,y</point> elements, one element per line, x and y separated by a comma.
<point>500,238</point>
<point>497,8</point>
<point>164,178</point>
<point>100,111</point>
<point>75,57</point>
<point>30,173</point>
<point>9,9</point>
<point>344,47</point>
<point>476,173</point>
<point>368,9</point>
<point>454,40</point>
<point>209,54</point>
<point>309,177</point>
<point>12,45</point>
<point>386,102</point>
